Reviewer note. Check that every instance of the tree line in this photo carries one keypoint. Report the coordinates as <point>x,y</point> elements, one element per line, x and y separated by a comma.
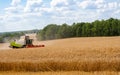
<point>109,27</point>
<point>7,36</point>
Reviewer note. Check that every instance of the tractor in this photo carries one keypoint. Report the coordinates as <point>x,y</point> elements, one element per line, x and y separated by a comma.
<point>28,43</point>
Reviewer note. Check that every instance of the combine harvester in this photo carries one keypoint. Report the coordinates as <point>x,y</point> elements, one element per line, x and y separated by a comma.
<point>27,43</point>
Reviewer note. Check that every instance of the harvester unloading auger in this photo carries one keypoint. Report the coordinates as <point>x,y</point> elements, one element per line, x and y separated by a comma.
<point>28,43</point>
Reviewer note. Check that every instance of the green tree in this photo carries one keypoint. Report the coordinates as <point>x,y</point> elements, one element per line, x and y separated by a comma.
<point>65,31</point>
<point>1,40</point>
<point>41,35</point>
<point>51,32</point>
<point>79,29</point>
<point>118,29</point>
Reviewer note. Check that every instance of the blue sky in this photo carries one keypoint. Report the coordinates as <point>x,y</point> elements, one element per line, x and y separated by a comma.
<point>18,15</point>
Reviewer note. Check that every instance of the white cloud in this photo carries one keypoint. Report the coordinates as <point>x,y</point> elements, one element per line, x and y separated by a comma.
<point>117,12</point>
<point>85,4</point>
<point>103,9</point>
<point>99,3</point>
<point>63,5</point>
<point>55,3</point>
<point>31,4</point>
<point>45,9</point>
<point>1,17</point>
<point>112,5</point>
<point>17,12</point>
<point>91,4</point>
<point>15,2</point>
<point>14,10</point>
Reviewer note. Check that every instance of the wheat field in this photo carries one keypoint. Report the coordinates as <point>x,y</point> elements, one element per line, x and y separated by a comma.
<point>60,73</point>
<point>81,55</point>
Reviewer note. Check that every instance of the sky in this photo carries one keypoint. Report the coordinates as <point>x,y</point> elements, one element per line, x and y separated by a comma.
<point>16,15</point>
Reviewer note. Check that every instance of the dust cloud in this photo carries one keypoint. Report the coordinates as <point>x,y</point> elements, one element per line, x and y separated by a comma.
<point>4,46</point>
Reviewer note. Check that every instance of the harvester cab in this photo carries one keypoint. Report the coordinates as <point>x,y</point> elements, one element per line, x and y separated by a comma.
<point>28,43</point>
